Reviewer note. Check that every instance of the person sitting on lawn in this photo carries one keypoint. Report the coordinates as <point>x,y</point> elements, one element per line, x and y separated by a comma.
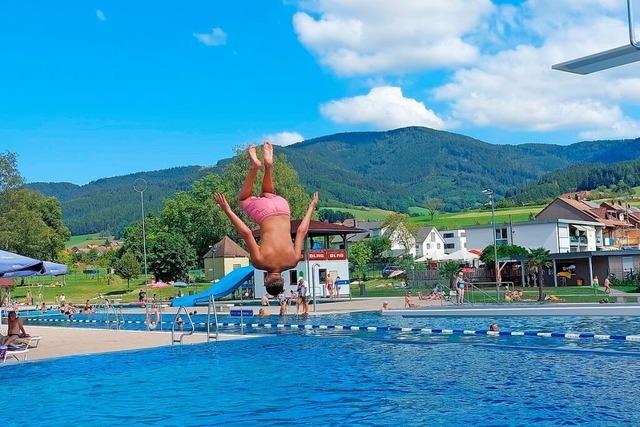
<point>276,252</point>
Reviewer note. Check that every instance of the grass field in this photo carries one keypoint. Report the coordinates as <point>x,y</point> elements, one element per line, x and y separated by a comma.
<point>78,287</point>
<point>476,217</point>
<point>84,240</point>
<point>363,213</point>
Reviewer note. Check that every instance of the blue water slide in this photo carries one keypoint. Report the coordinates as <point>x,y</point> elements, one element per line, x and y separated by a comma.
<point>220,289</point>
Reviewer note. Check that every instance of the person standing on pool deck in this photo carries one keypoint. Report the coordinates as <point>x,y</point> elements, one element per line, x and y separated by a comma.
<point>302,297</point>
<point>460,284</point>
<point>275,253</point>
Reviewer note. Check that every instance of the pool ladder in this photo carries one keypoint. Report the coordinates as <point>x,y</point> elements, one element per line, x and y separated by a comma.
<point>181,334</point>
<point>212,308</point>
<point>111,310</point>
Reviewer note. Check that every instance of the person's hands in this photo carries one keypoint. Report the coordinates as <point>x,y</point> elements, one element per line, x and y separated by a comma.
<point>222,201</point>
<point>314,199</point>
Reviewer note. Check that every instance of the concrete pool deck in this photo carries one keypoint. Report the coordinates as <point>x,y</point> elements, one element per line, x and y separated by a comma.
<point>60,341</point>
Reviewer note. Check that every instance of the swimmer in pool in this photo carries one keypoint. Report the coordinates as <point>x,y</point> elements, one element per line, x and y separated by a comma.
<point>276,252</point>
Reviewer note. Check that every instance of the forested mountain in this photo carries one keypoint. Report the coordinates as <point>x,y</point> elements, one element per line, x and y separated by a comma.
<point>403,167</point>
<point>576,178</point>
<point>391,170</point>
<point>110,204</point>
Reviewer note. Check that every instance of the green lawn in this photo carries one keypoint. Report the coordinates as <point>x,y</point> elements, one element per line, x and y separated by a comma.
<point>78,287</point>
<point>83,240</point>
<point>476,217</point>
<point>363,213</point>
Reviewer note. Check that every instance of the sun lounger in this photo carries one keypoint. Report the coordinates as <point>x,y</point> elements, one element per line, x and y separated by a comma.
<point>15,352</point>
<point>30,342</point>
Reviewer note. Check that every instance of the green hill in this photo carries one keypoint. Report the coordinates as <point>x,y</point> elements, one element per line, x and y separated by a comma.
<point>575,178</point>
<point>391,170</point>
<point>401,168</point>
<point>110,204</point>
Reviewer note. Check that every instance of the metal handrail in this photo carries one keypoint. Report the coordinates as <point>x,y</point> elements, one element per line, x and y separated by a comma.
<point>110,309</point>
<point>212,305</point>
<point>182,334</point>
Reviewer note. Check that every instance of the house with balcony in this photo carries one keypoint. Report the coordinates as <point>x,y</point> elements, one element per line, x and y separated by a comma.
<point>556,235</point>
<point>621,223</point>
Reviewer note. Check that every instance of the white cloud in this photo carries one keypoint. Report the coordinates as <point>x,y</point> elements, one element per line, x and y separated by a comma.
<point>383,108</point>
<point>517,89</point>
<point>216,37</point>
<point>284,138</point>
<point>100,15</point>
<point>363,37</point>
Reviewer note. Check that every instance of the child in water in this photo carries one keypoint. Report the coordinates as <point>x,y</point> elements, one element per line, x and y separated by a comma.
<point>276,252</point>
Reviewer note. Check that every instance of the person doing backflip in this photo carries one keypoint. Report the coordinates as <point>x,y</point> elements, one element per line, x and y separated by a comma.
<point>276,252</point>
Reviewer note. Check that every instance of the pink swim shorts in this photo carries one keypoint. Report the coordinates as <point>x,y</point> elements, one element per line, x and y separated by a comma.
<point>259,208</point>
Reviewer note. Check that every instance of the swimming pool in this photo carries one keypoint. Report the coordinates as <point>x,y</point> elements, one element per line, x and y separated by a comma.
<point>333,379</point>
<point>352,377</point>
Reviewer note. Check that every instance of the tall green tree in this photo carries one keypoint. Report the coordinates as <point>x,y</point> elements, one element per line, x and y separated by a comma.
<point>433,206</point>
<point>194,214</point>
<point>170,257</point>
<point>448,271</point>
<point>378,246</point>
<point>127,267</point>
<point>360,255</point>
<point>538,260</point>
<point>31,224</point>
<point>400,228</point>
<point>504,251</point>
<point>10,178</point>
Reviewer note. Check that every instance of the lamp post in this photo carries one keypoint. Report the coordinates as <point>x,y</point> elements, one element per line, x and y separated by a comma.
<point>316,267</point>
<point>490,196</point>
<point>140,185</point>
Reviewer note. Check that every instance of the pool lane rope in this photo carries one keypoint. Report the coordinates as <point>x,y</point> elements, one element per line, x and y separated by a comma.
<point>433,331</point>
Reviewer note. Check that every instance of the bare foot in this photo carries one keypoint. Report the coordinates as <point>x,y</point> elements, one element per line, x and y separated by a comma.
<point>268,153</point>
<point>253,157</point>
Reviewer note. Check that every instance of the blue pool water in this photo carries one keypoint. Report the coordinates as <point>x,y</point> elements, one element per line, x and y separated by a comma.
<point>321,377</point>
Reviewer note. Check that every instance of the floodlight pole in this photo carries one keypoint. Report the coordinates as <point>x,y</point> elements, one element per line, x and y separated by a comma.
<point>140,186</point>
<point>489,194</point>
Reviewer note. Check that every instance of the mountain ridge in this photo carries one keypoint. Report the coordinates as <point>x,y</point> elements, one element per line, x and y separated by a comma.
<point>391,169</point>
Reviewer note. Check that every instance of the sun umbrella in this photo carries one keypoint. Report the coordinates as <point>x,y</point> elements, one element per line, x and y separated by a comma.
<point>396,273</point>
<point>54,269</point>
<point>180,284</point>
<point>13,263</point>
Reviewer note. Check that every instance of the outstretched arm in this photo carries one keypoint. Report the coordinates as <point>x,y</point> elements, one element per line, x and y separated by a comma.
<point>303,229</point>
<point>241,227</point>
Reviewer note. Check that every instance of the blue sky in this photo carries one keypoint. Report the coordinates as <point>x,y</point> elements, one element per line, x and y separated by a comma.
<point>100,88</point>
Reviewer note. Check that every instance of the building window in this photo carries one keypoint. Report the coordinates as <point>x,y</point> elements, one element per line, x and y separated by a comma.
<point>448,235</point>
<point>428,246</point>
<point>439,246</point>
<point>463,234</point>
<point>432,237</point>
<point>502,236</point>
<point>449,245</point>
<point>293,277</point>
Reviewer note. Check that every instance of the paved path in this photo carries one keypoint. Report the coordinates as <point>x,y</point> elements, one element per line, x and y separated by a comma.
<point>61,341</point>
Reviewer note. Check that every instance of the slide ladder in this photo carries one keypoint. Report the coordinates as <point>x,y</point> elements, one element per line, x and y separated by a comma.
<point>181,334</point>
<point>210,308</point>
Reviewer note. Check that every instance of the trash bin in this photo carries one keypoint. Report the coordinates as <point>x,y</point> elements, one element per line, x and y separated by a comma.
<point>362,289</point>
